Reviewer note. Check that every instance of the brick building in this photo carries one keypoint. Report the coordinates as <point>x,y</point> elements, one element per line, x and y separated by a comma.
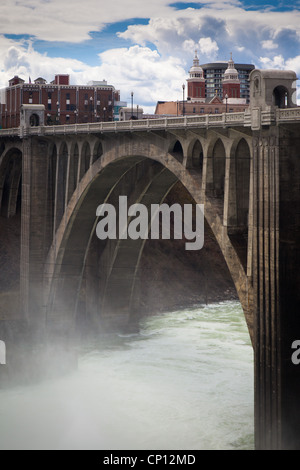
<point>64,103</point>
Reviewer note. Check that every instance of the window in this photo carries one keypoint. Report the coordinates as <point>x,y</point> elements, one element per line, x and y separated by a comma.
<point>216,110</point>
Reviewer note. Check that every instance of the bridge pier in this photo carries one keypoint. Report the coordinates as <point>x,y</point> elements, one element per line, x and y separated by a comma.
<point>276,260</point>
<point>277,286</point>
<point>35,227</point>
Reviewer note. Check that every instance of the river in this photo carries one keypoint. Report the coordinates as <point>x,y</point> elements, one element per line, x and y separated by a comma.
<point>185,381</point>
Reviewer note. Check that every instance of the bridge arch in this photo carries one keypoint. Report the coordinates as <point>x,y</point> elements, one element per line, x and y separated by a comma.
<point>61,182</point>
<point>107,178</point>
<point>73,170</point>
<point>219,165</point>
<point>51,189</point>
<point>97,151</point>
<point>176,150</point>
<point>195,155</point>
<point>237,206</point>
<point>34,120</point>
<point>281,96</point>
<point>215,168</point>
<point>10,182</point>
<point>85,158</point>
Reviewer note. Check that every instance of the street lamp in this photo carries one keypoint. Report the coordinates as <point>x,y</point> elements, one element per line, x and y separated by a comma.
<point>226,98</point>
<point>132,105</point>
<point>58,112</point>
<point>91,108</point>
<point>104,109</point>
<point>183,87</point>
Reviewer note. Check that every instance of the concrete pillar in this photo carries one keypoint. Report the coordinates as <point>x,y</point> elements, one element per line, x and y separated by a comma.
<point>33,229</point>
<point>276,258</point>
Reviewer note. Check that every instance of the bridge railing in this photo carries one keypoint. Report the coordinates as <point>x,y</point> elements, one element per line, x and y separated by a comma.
<point>287,115</point>
<point>160,123</point>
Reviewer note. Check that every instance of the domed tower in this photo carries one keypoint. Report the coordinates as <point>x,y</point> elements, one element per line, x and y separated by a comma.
<point>231,84</point>
<point>196,82</point>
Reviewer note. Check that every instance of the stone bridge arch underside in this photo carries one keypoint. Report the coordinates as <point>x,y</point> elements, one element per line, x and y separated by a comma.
<point>144,168</point>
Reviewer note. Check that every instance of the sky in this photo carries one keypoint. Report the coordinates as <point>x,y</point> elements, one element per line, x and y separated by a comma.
<point>143,47</point>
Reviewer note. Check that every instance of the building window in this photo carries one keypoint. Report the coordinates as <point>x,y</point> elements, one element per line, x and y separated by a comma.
<point>202,110</point>
<point>216,110</point>
<point>194,110</point>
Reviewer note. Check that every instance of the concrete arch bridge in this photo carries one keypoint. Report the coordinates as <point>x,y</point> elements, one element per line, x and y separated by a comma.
<point>244,168</point>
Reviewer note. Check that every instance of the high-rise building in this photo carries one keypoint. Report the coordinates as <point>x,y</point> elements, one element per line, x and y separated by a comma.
<point>214,75</point>
<point>64,103</point>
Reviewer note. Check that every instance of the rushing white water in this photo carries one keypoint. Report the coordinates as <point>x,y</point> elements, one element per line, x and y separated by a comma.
<point>184,382</point>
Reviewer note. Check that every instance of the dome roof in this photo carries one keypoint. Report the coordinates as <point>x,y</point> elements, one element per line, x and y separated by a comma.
<point>231,73</point>
<point>196,70</point>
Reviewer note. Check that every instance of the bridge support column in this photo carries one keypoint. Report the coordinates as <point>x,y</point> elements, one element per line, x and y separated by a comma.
<point>276,260</point>
<point>35,223</point>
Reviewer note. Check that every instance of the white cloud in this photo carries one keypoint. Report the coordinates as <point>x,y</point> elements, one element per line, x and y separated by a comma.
<point>138,69</point>
<point>230,28</point>
<point>72,20</point>
<point>277,62</point>
<point>208,47</point>
<point>215,30</point>
<point>20,58</point>
<point>269,44</point>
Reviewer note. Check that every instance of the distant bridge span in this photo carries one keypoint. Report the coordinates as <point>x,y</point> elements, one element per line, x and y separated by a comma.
<point>244,167</point>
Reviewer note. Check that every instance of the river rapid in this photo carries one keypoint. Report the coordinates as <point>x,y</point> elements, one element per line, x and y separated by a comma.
<point>185,381</point>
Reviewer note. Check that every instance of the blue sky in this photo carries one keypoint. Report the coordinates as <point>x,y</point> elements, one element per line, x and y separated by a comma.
<point>140,46</point>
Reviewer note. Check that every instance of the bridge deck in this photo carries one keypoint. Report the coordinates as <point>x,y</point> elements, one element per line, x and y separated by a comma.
<point>225,120</point>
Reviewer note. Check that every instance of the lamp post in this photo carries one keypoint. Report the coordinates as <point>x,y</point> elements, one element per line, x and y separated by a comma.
<point>58,113</point>
<point>183,87</point>
<point>132,105</point>
<point>91,108</point>
<point>104,110</point>
<point>226,98</point>
<point>76,115</point>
